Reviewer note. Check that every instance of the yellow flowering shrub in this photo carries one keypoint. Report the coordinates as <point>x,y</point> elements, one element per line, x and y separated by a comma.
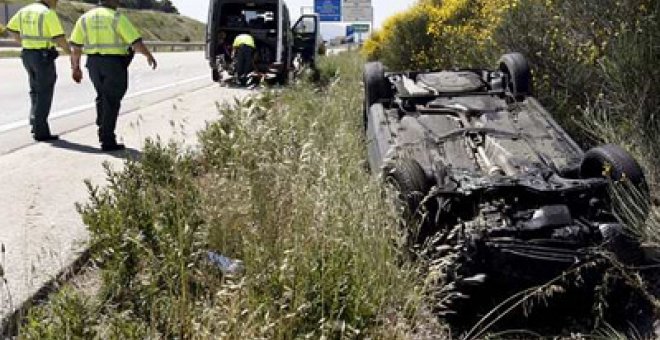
<point>403,40</point>
<point>441,34</point>
<point>567,42</point>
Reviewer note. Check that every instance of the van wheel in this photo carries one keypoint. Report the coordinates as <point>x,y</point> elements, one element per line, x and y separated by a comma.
<point>283,78</point>
<point>517,69</point>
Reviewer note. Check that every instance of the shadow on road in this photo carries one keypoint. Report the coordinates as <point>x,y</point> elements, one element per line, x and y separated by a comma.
<point>128,153</point>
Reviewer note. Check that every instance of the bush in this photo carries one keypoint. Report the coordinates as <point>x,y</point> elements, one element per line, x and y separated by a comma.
<point>439,34</point>
<point>403,42</point>
<point>278,183</point>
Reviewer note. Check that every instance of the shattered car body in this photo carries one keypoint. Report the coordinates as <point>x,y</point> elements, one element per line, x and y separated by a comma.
<point>496,195</point>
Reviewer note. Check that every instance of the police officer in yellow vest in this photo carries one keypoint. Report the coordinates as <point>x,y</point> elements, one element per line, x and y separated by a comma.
<point>108,39</point>
<point>37,28</point>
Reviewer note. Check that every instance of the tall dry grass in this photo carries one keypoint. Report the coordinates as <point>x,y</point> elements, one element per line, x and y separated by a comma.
<point>279,183</point>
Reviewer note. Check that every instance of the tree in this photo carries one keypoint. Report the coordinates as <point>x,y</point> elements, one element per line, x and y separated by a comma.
<point>157,5</point>
<point>167,7</point>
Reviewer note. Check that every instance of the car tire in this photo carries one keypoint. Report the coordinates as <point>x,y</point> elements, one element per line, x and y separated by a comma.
<point>621,165</point>
<point>621,162</point>
<point>375,86</point>
<point>215,75</point>
<point>374,82</point>
<point>519,74</point>
<point>409,181</point>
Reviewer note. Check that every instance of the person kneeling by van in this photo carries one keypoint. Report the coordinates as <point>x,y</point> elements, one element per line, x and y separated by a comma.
<point>244,48</point>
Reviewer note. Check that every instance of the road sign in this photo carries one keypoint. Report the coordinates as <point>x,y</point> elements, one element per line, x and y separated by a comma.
<point>357,10</point>
<point>360,28</point>
<point>357,3</point>
<point>328,10</point>
<point>350,30</point>
<point>357,14</point>
<point>350,34</point>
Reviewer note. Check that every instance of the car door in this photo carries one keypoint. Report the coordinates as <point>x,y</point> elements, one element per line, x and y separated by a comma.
<point>306,37</point>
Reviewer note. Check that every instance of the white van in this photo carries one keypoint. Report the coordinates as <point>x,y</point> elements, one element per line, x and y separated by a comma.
<point>267,21</point>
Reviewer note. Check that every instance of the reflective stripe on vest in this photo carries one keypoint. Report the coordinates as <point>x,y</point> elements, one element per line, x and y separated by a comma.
<point>118,43</point>
<point>40,27</point>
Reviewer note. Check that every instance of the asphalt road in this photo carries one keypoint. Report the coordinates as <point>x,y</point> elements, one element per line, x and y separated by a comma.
<point>175,71</point>
<point>40,231</point>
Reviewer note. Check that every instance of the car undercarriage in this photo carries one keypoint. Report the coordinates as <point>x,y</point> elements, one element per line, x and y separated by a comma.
<point>501,204</point>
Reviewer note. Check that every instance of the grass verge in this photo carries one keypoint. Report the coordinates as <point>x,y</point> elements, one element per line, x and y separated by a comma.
<point>10,54</point>
<point>152,25</point>
<point>279,183</point>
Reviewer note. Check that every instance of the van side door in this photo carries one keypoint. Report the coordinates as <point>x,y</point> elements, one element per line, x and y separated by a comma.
<point>306,33</point>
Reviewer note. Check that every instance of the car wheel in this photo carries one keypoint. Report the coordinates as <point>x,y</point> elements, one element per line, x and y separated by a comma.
<point>517,69</point>
<point>409,181</point>
<point>374,82</point>
<point>611,161</point>
<point>282,78</point>
<point>616,160</point>
<point>375,85</point>
<point>215,75</point>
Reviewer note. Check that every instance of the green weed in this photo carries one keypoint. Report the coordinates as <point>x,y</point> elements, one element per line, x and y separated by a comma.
<point>278,183</point>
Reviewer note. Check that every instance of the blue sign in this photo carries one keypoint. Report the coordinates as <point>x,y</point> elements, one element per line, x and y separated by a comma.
<point>328,10</point>
<point>350,30</point>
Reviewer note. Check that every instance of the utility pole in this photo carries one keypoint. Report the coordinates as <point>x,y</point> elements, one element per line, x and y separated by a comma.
<point>6,12</point>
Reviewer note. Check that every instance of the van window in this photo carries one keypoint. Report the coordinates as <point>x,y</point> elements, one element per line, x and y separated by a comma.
<point>260,19</point>
<point>306,25</point>
<point>241,15</point>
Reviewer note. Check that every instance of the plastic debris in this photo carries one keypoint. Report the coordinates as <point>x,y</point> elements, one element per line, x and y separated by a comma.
<point>225,264</point>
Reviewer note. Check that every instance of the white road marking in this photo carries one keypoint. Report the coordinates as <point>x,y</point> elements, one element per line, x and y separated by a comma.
<point>77,109</point>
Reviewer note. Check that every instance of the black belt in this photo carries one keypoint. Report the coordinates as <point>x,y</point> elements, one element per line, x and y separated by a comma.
<point>108,55</point>
<point>40,49</point>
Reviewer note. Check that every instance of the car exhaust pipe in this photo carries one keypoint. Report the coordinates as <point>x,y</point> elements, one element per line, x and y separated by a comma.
<point>491,168</point>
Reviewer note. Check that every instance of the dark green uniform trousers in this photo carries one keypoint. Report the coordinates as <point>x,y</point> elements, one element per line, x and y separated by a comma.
<point>109,74</point>
<point>243,63</point>
<point>40,66</point>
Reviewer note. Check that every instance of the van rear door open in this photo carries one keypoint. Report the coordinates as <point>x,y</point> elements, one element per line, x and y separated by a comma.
<point>267,21</point>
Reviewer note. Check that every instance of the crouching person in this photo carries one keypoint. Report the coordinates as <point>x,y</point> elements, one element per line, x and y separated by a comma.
<point>244,48</point>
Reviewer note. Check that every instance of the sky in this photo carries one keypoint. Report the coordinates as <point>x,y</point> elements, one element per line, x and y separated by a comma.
<point>382,9</point>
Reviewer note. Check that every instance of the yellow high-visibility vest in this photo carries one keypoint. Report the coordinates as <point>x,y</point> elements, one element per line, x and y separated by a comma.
<point>37,25</point>
<point>104,31</point>
<point>244,39</point>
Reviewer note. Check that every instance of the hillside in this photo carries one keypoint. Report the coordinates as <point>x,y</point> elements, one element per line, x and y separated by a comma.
<point>153,25</point>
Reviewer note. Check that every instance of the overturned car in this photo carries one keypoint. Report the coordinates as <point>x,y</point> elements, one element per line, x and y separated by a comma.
<point>503,205</point>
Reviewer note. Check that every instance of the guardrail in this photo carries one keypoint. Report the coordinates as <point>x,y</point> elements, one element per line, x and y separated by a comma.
<point>171,46</point>
<point>155,46</point>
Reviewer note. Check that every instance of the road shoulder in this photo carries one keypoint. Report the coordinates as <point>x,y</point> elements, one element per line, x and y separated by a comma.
<point>40,183</point>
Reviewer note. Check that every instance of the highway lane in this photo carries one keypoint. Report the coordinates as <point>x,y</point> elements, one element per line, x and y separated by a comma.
<point>174,71</point>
